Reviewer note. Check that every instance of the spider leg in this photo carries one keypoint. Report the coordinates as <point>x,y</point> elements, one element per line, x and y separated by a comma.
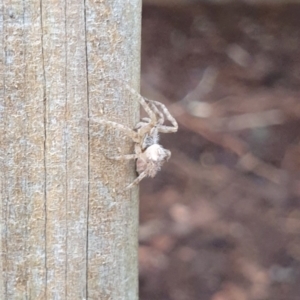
<point>141,124</point>
<point>146,127</point>
<point>161,118</point>
<point>153,112</point>
<point>131,133</point>
<point>165,128</point>
<point>123,157</point>
<point>143,102</point>
<point>137,180</point>
<point>146,120</point>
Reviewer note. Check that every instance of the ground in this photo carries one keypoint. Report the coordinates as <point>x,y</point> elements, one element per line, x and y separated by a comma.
<point>221,221</point>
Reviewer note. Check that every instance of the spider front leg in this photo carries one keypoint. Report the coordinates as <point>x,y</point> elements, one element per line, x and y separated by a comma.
<point>143,102</point>
<point>152,109</point>
<point>158,113</point>
<point>165,128</point>
<point>144,127</point>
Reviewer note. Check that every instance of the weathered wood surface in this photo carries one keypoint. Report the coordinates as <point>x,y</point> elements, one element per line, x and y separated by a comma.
<point>68,227</point>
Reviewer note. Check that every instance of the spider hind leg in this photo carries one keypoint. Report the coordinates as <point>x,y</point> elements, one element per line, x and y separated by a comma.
<point>137,180</point>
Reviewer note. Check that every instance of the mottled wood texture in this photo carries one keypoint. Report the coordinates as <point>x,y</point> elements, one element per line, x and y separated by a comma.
<point>68,226</point>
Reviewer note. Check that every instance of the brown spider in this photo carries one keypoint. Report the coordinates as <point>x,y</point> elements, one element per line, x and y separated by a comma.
<point>149,155</point>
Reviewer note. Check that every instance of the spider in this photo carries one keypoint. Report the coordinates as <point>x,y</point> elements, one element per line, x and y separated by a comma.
<point>149,155</point>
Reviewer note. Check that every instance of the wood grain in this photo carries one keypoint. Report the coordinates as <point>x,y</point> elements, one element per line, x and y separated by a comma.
<point>68,227</point>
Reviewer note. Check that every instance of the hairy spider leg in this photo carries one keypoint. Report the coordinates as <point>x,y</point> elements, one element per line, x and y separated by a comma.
<point>137,180</point>
<point>143,122</point>
<point>152,112</point>
<point>152,116</point>
<point>165,128</point>
<point>142,101</point>
<point>149,111</point>
<point>129,132</point>
<point>161,118</point>
<point>123,157</point>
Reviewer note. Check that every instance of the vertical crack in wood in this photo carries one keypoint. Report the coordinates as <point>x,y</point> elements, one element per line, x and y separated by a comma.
<point>4,201</point>
<point>45,144</point>
<point>88,131</point>
<point>66,150</point>
<point>26,178</point>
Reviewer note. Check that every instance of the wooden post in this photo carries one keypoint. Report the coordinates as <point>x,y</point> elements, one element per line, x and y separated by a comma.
<point>68,226</point>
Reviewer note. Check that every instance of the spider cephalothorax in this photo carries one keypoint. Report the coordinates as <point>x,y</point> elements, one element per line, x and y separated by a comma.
<point>149,155</point>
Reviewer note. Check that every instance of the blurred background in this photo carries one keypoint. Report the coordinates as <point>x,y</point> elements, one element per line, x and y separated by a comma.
<point>221,221</point>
